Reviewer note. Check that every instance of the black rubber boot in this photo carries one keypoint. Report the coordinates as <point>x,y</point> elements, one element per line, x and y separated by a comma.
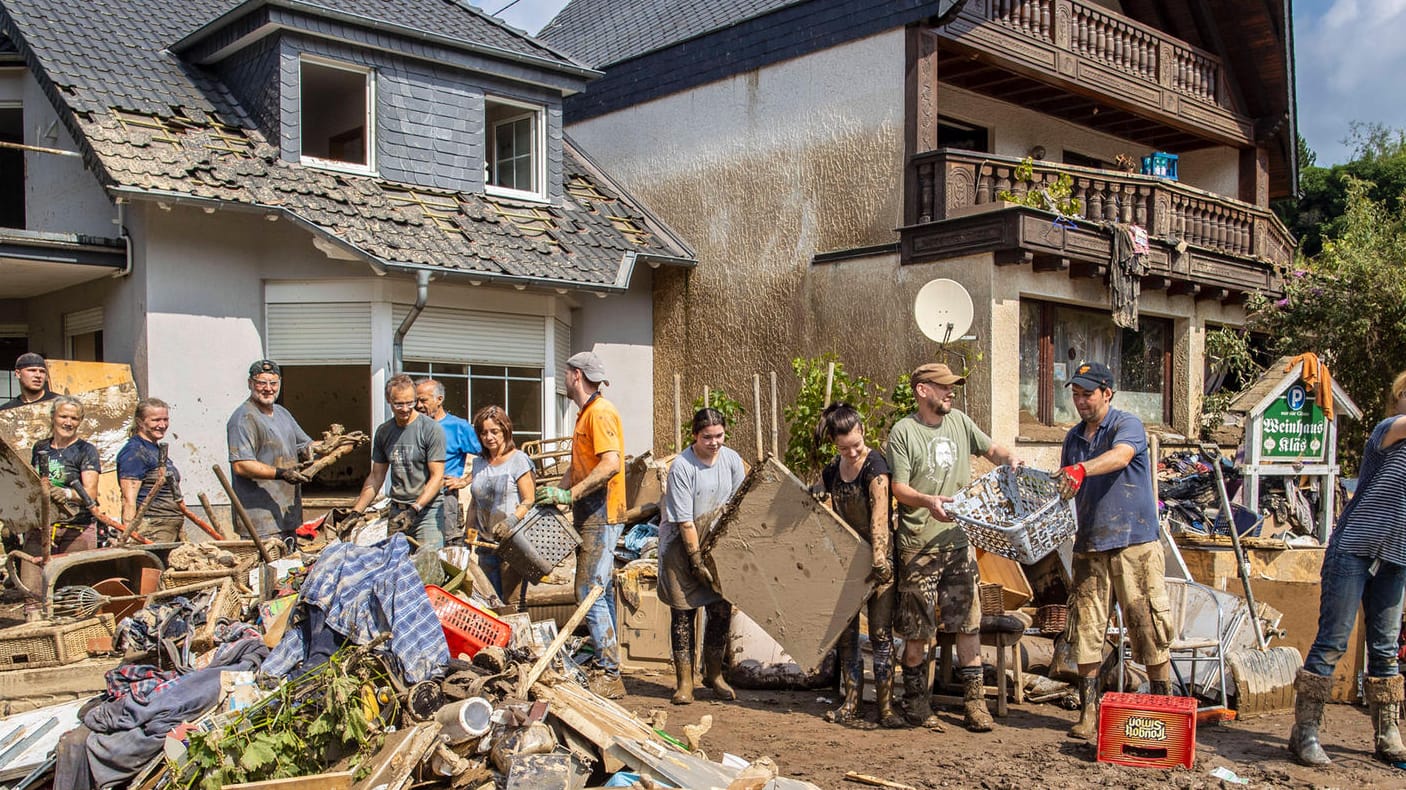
<point>683,679</point>
<point>1086,729</point>
<point>917,698</point>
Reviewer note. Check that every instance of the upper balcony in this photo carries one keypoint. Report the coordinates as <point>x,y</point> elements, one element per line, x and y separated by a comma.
<point>1203,244</point>
<point>1077,60</point>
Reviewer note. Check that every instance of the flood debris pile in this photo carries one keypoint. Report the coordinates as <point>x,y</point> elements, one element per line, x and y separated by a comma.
<point>353,671</point>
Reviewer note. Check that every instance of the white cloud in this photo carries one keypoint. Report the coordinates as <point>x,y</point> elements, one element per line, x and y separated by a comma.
<point>1350,57</point>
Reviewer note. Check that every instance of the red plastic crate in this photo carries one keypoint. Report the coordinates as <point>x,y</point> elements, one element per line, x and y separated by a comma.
<point>1147,730</point>
<point>467,628</point>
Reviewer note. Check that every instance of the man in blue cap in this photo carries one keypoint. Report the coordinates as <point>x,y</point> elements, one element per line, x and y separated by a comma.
<point>1117,548</point>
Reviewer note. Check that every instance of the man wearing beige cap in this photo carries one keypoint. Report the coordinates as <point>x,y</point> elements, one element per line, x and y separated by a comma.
<point>594,487</point>
<point>929,454</point>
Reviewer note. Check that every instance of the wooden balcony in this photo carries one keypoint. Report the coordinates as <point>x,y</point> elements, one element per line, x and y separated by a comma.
<point>1147,85</point>
<point>1202,244</point>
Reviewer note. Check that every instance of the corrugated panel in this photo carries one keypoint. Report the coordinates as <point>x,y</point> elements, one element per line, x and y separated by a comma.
<point>446,335</point>
<point>83,321</point>
<point>563,352</point>
<point>315,333</point>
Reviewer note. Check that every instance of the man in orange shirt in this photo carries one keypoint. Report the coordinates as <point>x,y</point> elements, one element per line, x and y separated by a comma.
<point>594,487</point>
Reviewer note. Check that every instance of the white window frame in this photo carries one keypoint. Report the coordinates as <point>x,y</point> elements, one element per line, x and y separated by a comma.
<point>332,164</point>
<point>538,113</point>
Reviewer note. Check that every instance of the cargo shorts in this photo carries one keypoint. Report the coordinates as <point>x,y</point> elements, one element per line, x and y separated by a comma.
<point>937,591</point>
<point>1135,574</point>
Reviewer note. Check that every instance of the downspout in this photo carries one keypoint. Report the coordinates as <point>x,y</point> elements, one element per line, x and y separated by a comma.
<point>422,295</point>
<point>126,240</point>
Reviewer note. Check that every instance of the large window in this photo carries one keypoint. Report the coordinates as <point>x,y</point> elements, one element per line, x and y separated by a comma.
<point>514,162</point>
<point>335,109</point>
<point>468,388</point>
<point>962,136</point>
<point>1055,339</point>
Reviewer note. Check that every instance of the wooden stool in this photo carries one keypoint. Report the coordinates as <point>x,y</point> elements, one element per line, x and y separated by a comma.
<point>1000,632</point>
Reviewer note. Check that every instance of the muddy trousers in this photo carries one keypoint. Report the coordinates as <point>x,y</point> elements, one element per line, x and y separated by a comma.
<point>683,626</point>
<point>595,566</point>
<point>852,661</point>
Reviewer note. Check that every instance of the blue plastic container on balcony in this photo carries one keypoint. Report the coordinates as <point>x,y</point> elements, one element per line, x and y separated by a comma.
<point>1162,165</point>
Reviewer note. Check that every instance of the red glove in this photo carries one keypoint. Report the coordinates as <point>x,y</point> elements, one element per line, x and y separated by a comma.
<point>1072,477</point>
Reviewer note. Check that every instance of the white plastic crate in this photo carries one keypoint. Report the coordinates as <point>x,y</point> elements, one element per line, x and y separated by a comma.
<point>1015,512</point>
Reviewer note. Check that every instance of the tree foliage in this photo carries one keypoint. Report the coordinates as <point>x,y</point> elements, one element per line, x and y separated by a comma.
<point>1348,303</point>
<point>1379,160</point>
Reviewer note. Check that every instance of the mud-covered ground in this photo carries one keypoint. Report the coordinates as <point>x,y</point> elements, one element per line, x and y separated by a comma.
<point>1028,750</point>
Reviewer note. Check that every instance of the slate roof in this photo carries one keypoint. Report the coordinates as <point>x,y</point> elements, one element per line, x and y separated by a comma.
<point>602,32</point>
<point>152,125</point>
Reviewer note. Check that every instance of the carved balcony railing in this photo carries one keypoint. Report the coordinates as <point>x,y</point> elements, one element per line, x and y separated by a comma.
<point>950,184</point>
<point>1092,49</point>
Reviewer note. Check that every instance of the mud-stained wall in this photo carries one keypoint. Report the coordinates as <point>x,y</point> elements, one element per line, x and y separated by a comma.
<point>758,172</point>
<point>620,328</point>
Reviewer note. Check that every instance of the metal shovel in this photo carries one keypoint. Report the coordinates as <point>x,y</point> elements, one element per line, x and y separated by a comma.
<point>1264,677</point>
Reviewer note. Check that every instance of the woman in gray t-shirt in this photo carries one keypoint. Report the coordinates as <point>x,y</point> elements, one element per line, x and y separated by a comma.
<point>701,480</point>
<point>502,489</point>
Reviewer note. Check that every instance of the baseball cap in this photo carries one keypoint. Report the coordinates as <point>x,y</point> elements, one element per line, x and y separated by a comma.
<point>936,373</point>
<point>590,366</point>
<point>1091,376</point>
<point>265,366</point>
<point>30,360</point>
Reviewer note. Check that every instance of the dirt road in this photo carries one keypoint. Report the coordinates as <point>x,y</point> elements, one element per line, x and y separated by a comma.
<point>1028,749</point>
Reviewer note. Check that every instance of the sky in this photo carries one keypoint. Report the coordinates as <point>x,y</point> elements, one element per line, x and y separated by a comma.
<point>1350,57</point>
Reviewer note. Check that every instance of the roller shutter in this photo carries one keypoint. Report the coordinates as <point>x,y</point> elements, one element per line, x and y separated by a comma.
<point>319,333</point>
<point>474,336</point>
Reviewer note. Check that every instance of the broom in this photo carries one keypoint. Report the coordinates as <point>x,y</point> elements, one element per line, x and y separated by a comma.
<point>79,602</point>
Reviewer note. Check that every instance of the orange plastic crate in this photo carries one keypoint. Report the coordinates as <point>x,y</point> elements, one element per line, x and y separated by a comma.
<point>1147,730</point>
<point>467,628</point>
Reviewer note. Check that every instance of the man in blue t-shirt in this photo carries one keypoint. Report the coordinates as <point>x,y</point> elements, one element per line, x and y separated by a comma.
<point>1116,550</point>
<point>460,443</point>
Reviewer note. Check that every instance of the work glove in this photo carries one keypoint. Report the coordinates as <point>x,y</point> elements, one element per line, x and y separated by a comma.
<point>401,522</point>
<point>695,563</point>
<point>1070,479</point>
<point>349,520</point>
<point>881,571</point>
<point>62,495</point>
<point>501,530</point>
<point>289,474</point>
<point>551,495</point>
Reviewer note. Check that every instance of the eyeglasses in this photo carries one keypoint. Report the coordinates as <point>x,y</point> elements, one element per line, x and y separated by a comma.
<point>403,405</point>
<point>265,383</point>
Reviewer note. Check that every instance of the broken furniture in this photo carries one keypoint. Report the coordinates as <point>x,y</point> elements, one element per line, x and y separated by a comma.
<point>788,562</point>
<point>1002,632</point>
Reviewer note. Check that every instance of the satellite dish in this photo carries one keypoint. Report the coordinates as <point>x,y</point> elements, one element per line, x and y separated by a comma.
<point>943,310</point>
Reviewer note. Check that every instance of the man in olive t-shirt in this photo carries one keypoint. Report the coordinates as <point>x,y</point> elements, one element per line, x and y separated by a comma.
<point>929,454</point>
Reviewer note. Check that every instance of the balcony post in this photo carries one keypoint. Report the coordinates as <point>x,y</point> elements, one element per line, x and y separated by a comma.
<point>920,114</point>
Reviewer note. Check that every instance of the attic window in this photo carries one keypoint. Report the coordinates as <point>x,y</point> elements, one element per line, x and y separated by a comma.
<point>335,104</point>
<point>514,163</point>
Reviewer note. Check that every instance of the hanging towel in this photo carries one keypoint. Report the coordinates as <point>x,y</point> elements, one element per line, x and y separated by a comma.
<point>1317,379</point>
<point>1129,264</point>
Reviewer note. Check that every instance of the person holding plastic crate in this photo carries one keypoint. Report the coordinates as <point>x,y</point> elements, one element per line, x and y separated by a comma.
<point>1117,549</point>
<point>929,455</point>
<point>594,488</point>
<point>1364,565</point>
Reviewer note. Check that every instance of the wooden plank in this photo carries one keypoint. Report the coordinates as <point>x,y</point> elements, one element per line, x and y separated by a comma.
<point>341,780</point>
<point>598,720</point>
<point>788,562</point>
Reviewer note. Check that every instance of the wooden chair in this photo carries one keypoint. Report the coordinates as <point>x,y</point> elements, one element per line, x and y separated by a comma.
<point>1002,632</point>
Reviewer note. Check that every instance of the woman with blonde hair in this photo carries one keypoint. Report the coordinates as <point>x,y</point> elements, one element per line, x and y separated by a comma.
<point>141,477</point>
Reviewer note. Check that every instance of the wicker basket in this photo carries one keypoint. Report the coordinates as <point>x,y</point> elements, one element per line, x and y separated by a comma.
<point>226,605</point>
<point>539,543</point>
<point>1052,619</point>
<point>993,599</point>
<point>1015,512</point>
<point>31,646</point>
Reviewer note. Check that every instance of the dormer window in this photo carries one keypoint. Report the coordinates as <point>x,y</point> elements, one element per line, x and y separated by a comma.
<point>335,105</point>
<point>514,164</point>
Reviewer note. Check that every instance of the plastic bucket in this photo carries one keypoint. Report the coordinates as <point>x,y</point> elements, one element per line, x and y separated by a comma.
<point>466,719</point>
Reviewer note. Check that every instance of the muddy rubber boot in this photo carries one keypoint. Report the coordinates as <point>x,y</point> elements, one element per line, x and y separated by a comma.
<point>978,718</point>
<point>853,690</point>
<point>683,679</point>
<point>1384,696</point>
<point>1160,688</point>
<point>713,673</point>
<point>883,698</point>
<point>917,698</point>
<point>1311,693</point>
<point>1086,729</point>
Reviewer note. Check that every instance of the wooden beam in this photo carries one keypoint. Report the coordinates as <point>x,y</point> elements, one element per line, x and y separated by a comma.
<point>1155,282</point>
<point>1013,257</point>
<point>1183,288</point>
<point>1087,269</point>
<point>1212,292</point>
<point>1050,263</point>
<point>1235,298</point>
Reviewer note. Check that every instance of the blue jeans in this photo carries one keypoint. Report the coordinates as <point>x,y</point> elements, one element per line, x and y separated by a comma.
<point>428,529</point>
<point>595,565</point>
<point>1348,580</point>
